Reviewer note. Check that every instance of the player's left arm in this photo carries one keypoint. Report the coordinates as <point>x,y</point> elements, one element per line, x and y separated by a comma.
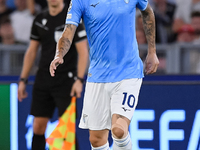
<point>151,62</point>
<point>82,50</point>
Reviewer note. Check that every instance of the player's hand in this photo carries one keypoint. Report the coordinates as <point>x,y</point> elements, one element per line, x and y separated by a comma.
<point>22,94</point>
<point>54,64</point>
<point>77,89</point>
<point>151,63</point>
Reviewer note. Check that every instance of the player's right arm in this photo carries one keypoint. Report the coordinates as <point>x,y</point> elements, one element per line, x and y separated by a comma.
<point>62,47</point>
<point>29,59</point>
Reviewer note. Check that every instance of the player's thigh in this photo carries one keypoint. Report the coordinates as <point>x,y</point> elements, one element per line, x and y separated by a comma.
<point>96,107</point>
<point>125,99</point>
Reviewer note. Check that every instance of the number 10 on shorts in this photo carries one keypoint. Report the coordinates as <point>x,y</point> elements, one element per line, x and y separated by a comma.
<point>129,99</point>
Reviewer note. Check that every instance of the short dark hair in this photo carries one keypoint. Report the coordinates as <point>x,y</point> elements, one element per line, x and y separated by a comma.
<point>195,14</point>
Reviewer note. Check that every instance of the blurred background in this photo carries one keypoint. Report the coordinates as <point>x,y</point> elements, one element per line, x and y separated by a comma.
<point>168,113</point>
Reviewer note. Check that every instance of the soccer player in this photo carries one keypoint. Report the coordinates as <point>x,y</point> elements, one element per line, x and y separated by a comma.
<point>49,92</point>
<point>116,70</point>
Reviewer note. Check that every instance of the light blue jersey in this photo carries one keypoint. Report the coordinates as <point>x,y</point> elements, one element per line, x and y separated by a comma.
<point>110,27</point>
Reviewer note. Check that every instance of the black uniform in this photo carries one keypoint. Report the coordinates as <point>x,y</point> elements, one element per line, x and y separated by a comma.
<point>49,92</point>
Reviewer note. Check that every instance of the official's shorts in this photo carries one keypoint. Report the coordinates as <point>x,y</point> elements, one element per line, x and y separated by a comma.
<point>102,100</point>
<point>51,92</point>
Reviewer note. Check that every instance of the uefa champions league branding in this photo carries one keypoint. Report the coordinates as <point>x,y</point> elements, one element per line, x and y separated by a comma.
<point>29,134</point>
<point>168,120</point>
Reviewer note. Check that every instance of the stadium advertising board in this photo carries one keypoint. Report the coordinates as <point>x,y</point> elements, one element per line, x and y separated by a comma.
<point>167,118</point>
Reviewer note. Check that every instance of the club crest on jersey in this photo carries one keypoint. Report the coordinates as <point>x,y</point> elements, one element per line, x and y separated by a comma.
<point>44,21</point>
<point>126,1</point>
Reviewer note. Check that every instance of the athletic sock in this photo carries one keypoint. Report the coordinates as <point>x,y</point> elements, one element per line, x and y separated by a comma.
<point>122,144</point>
<point>104,147</point>
<point>38,142</point>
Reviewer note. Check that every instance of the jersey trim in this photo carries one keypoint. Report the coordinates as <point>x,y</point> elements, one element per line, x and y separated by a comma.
<point>71,22</point>
<point>145,7</point>
<point>35,37</point>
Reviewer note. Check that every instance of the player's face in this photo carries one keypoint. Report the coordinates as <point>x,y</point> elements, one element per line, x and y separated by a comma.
<point>54,3</point>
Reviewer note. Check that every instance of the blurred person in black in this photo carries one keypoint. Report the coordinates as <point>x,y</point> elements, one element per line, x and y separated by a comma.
<point>50,92</point>
<point>164,13</point>
<point>186,35</point>
<point>195,55</point>
<point>195,22</point>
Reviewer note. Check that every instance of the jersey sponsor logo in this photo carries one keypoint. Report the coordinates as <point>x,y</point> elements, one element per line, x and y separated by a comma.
<point>125,109</point>
<point>69,16</point>
<point>44,21</point>
<point>94,5</point>
<point>126,1</point>
<point>84,118</point>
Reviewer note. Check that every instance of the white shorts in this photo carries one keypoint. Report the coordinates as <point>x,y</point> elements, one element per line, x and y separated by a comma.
<point>102,100</point>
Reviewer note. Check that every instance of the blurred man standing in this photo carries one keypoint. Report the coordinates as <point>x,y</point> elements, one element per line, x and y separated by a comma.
<point>21,20</point>
<point>195,22</point>
<point>49,92</point>
<point>195,55</point>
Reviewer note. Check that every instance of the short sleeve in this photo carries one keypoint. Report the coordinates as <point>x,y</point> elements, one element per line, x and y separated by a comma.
<point>142,4</point>
<point>74,12</point>
<point>80,33</point>
<point>34,32</point>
